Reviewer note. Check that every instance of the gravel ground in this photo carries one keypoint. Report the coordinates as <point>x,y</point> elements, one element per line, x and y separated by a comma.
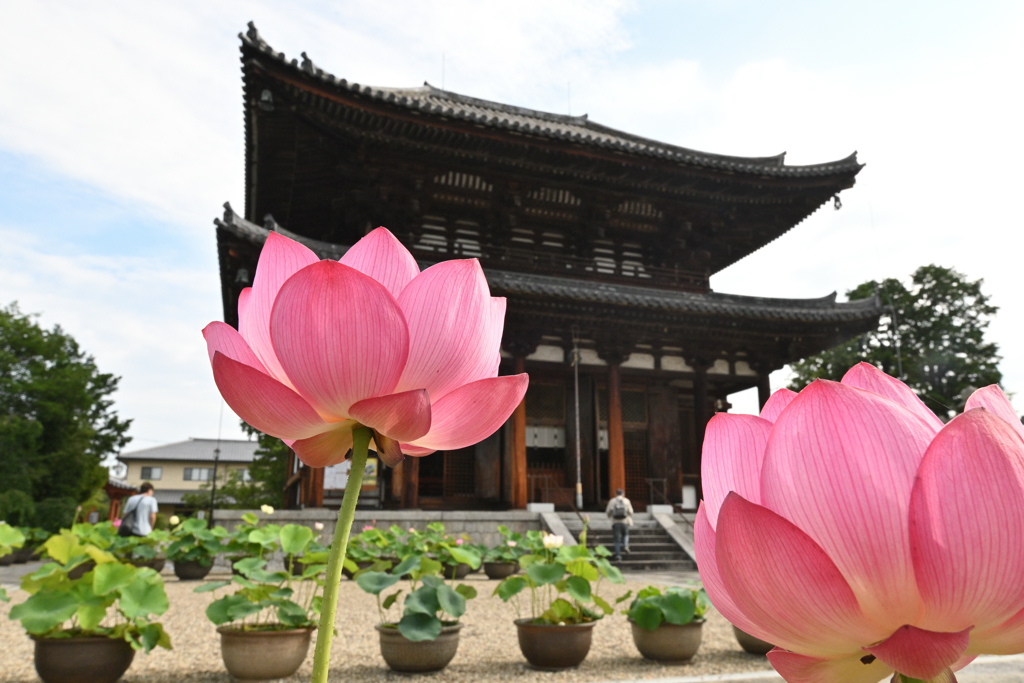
<point>488,651</point>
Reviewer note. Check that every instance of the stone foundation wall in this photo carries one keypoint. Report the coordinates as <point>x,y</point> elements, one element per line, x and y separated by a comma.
<point>481,526</point>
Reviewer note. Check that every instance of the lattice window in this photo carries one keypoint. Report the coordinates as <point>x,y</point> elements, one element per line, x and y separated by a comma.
<point>433,237</point>
<point>635,451</point>
<point>460,473</point>
<point>634,408</point>
<point>638,208</point>
<point>467,239</point>
<point>547,194</point>
<point>545,404</point>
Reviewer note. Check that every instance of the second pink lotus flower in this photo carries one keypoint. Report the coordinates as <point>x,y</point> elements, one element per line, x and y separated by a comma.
<point>323,346</point>
<point>851,528</point>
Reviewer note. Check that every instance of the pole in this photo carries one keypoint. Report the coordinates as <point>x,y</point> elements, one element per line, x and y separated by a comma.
<point>213,485</point>
<point>576,404</point>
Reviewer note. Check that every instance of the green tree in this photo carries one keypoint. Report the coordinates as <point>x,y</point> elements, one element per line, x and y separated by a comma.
<point>268,473</point>
<point>932,337</point>
<point>57,422</point>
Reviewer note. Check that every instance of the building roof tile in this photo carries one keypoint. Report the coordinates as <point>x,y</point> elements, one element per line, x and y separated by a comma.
<point>197,450</point>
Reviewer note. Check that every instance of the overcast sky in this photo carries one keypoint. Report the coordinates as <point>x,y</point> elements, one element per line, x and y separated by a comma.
<point>121,136</point>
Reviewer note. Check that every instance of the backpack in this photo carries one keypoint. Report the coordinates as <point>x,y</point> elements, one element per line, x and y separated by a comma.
<point>619,510</point>
<point>127,527</point>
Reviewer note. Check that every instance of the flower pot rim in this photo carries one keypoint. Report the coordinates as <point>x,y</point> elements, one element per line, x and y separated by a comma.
<point>393,628</point>
<point>77,639</point>
<point>695,620</point>
<point>529,622</point>
<point>227,628</point>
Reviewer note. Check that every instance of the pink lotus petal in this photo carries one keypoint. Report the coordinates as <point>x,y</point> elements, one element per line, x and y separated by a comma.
<point>919,653</point>
<point>225,339</point>
<point>711,577</point>
<point>381,256</point>
<point>785,583</point>
<point>452,320</point>
<point>993,399</point>
<point>243,304</point>
<point>416,451</point>
<point>731,461</point>
<point>802,669</point>
<point>404,416</point>
<point>473,412</point>
<point>776,403</point>
<point>963,661</point>
<point>280,259</point>
<point>869,378</point>
<point>263,402</point>
<point>967,524</point>
<point>1004,639</point>
<point>327,448</point>
<point>339,335</point>
<point>840,464</point>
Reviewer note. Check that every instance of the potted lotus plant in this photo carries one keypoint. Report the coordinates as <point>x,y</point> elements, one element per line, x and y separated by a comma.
<point>11,539</point>
<point>502,560</point>
<point>667,626</point>
<point>193,548</point>
<point>266,624</point>
<point>426,637</point>
<point>89,628</point>
<point>564,601</point>
<point>34,538</point>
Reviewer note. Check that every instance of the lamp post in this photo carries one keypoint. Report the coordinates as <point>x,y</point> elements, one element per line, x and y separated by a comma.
<point>576,404</point>
<point>213,485</point>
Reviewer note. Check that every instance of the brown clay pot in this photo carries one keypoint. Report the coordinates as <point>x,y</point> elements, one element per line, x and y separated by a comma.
<point>407,656</point>
<point>93,659</point>
<point>362,565</point>
<point>551,647</point>
<point>191,570</point>
<point>81,570</point>
<point>23,555</point>
<point>669,643</point>
<point>7,560</point>
<point>156,564</point>
<point>459,571</point>
<point>749,643</point>
<point>263,655</point>
<point>500,570</point>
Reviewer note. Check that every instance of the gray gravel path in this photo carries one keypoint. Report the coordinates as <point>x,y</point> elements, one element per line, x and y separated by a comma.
<point>488,650</point>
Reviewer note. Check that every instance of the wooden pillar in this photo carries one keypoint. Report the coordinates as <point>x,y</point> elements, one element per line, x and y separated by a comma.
<point>520,494</point>
<point>398,481</point>
<point>764,388</point>
<point>411,478</point>
<point>701,404</point>
<point>616,447</point>
<point>317,486</point>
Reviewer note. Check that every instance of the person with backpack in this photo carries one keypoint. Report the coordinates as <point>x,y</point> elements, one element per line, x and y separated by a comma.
<point>620,511</point>
<point>139,513</point>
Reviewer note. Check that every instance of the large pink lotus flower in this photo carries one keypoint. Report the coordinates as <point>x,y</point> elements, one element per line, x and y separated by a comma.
<point>851,528</point>
<point>324,346</point>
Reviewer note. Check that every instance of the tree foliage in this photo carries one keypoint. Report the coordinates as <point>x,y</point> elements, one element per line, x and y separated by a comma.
<point>57,422</point>
<point>268,473</point>
<point>933,338</point>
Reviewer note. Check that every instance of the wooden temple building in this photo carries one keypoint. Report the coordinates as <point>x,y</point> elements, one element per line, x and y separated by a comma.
<point>600,240</point>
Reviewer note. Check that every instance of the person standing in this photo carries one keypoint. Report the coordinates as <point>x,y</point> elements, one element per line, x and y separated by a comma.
<point>139,513</point>
<point>620,511</point>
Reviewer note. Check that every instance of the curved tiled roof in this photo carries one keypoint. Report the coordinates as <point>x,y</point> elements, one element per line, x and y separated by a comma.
<point>576,129</point>
<point>197,450</point>
<point>822,309</point>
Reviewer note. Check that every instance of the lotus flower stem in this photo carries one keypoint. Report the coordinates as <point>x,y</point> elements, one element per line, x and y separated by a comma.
<point>322,655</point>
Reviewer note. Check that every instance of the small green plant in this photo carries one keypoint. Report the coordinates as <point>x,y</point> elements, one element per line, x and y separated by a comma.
<point>677,605</point>
<point>563,580</point>
<point>273,601</point>
<point>112,599</point>
<point>192,541</point>
<point>430,604</point>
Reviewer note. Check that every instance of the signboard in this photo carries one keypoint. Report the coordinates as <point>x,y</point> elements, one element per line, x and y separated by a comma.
<point>336,476</point>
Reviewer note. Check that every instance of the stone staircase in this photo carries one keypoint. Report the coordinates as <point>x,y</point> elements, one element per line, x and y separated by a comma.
<point>651,547</point>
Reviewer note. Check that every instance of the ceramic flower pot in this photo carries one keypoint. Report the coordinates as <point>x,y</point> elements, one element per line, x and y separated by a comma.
<point>554,647</point>
<point>749,643</point>
<point>459,571</point>
<point>407,656</point>
<point>7,560</point>
<point>500,570</point>
<point>263,655</point>
<point>23,555</point>
<point>668,643</point>
<point>191,570</point>
<point>156,563</point>
<point>93,659</point>
<point>362,565</point>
